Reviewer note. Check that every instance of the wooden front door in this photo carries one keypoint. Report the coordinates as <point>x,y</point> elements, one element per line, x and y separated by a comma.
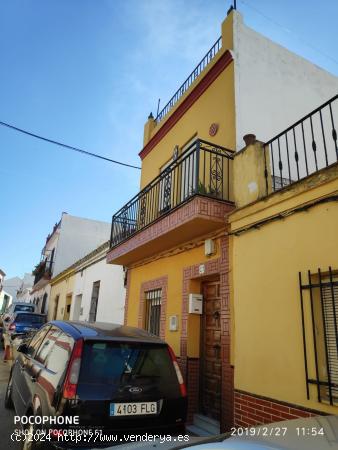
<point>211,371</point>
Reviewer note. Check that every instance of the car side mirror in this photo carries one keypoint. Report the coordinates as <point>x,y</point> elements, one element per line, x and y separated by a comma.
<point>23,348</point>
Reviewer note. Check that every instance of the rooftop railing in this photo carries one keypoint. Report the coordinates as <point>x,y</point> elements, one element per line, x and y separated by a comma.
<point>203,169</point>
<point>191,78</point>
<point>304,148</point>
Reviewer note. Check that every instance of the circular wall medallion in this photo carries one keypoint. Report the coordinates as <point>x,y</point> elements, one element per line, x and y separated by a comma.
<point>213,129</point>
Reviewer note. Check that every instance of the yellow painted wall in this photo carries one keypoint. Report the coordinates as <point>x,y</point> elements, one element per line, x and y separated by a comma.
<point>215,105</point>
<point>62,287</point>
<point>171,266</point>
<point>268,346</point>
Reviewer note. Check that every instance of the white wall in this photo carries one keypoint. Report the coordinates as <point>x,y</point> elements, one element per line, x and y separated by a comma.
<point>111,296</point>
<point>39,295</point>
<point>273,86</point>
<point>11,286</point>
<point>77,238</point>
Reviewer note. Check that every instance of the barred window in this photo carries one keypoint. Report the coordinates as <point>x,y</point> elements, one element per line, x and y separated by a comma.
<point>153,311</point>
<point>319,306</point>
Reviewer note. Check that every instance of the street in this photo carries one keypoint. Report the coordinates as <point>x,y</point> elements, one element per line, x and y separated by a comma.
<point>6,416</point>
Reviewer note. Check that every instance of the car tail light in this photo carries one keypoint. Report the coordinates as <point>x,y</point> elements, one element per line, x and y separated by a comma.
<point>178,373</point>
<point>12,327</point>
<point>73,371</point>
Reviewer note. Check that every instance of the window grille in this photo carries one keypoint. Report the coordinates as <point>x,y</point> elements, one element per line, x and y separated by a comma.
<point>319,308</point>
<point>153,311</point>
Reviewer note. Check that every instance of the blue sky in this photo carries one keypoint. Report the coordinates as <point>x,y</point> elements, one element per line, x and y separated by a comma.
<point>88,72</point>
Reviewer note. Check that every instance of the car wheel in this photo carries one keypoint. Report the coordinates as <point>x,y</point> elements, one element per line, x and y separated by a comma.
<point>8,395</point>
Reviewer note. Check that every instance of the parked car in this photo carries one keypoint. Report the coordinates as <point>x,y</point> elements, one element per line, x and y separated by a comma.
<point>24,322</point>
<point>16,307</point>
<point>311,433</point>
<point>115,378</point>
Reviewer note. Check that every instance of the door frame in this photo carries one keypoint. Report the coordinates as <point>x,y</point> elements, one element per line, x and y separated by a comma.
<point>204,280</point>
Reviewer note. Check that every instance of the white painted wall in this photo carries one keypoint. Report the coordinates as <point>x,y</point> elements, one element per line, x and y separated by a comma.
<point>111,296</point>
<point>77,238</point>
<point>273,86</point>
<point>11,286</point>
<point>39,295</point>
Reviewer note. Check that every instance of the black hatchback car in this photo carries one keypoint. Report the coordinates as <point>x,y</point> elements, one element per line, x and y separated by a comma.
<point>116,379</point>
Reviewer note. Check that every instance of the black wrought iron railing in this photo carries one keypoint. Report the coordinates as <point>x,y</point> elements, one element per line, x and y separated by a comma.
<point>304,148</point>
<point>202,169</point>
<point>191,78</point>
<point>319,313</point>
<point>43,270</point>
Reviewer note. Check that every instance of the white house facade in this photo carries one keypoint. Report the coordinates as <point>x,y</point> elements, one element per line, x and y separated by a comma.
<point>99,293</point>
<point>71,239</point>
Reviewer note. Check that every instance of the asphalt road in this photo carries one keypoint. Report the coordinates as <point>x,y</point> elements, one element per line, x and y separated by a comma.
<point>6,416</point>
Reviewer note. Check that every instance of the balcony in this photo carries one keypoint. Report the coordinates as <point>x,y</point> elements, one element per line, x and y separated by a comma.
<point>188,199</point>
<point>43,271</point>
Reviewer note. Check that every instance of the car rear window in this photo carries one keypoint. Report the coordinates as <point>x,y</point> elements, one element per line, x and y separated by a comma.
<point>28,308</point>
<point>126,363</point>
<point>30,318</point>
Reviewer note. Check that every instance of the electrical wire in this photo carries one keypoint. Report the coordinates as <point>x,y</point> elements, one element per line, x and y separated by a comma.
<point>60,144</point>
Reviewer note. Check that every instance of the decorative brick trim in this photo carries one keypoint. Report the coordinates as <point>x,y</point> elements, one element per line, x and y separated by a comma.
<point>252,410</point>
<point>191,98</point>
<point>197,207</point>
<point>219,267</point>
<point>193,385</point>
<point>158,283</point>
<point>126,303</point>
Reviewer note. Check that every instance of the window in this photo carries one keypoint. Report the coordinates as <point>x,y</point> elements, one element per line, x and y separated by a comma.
<point>35,342</point>
<point>25,308</point>
<point>59,354</point>
<point>120,364</point>
<point>47,345</point>
<point>188,169</point>
<point>54,354</point>
<point>30,319</point>
<point>319,308</point>
<point>153,311</point>
<point>94,301</point>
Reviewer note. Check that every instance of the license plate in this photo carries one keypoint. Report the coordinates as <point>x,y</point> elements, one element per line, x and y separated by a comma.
<point>28,329</point>
<point>133,409</point>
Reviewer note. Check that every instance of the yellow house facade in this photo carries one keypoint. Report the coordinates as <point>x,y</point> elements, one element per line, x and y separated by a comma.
<point>179,249</point>
<point>174,236</point>
<point>284,260</point>
<point>62,287</point>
